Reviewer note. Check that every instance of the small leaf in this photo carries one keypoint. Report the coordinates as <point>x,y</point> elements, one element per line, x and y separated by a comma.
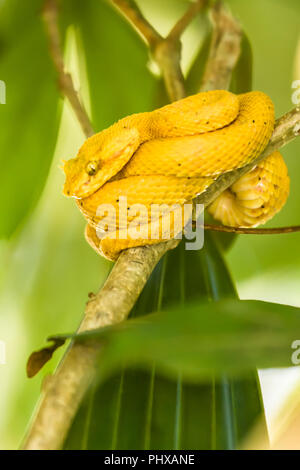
<point>38,359</point>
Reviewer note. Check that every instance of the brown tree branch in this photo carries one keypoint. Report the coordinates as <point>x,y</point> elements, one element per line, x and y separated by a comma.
<point>65,82</point>
<point>224,51</point>
<point>64,391</point>
<point>166,52</point>
<point>252,231</point>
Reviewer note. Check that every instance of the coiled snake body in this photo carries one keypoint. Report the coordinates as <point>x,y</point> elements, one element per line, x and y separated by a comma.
<point>171,155</point>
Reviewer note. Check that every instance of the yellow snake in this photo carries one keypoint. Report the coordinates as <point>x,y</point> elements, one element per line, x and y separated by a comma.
<point>171,155</point>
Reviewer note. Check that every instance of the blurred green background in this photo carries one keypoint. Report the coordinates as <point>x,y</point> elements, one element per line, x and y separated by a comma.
<point>47,268</point>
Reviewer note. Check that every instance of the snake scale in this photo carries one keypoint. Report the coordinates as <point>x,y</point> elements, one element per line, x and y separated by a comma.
<point>171,155</point>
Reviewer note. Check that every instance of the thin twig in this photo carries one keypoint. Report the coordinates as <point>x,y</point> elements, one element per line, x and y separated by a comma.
<point>63,393</point>
<point>66,85</point>
<point>252,231</point>
<point>179,28</point>
<point>133,14</point>
<point>166,52</point>
<point>167,55</point>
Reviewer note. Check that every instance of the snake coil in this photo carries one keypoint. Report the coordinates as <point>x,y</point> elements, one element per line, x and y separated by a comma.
<point>171,155</point>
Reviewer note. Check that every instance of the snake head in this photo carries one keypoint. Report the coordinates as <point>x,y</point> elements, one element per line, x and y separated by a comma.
<point>100,158</point>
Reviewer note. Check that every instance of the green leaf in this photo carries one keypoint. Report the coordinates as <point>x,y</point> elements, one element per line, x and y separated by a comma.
<point>195,74</point>
<point>227,335</point>
<point>242,76</point>
<point>29,119</point>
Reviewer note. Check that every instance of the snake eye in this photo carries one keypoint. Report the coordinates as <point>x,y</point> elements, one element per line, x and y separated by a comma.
<point>91,168</point>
